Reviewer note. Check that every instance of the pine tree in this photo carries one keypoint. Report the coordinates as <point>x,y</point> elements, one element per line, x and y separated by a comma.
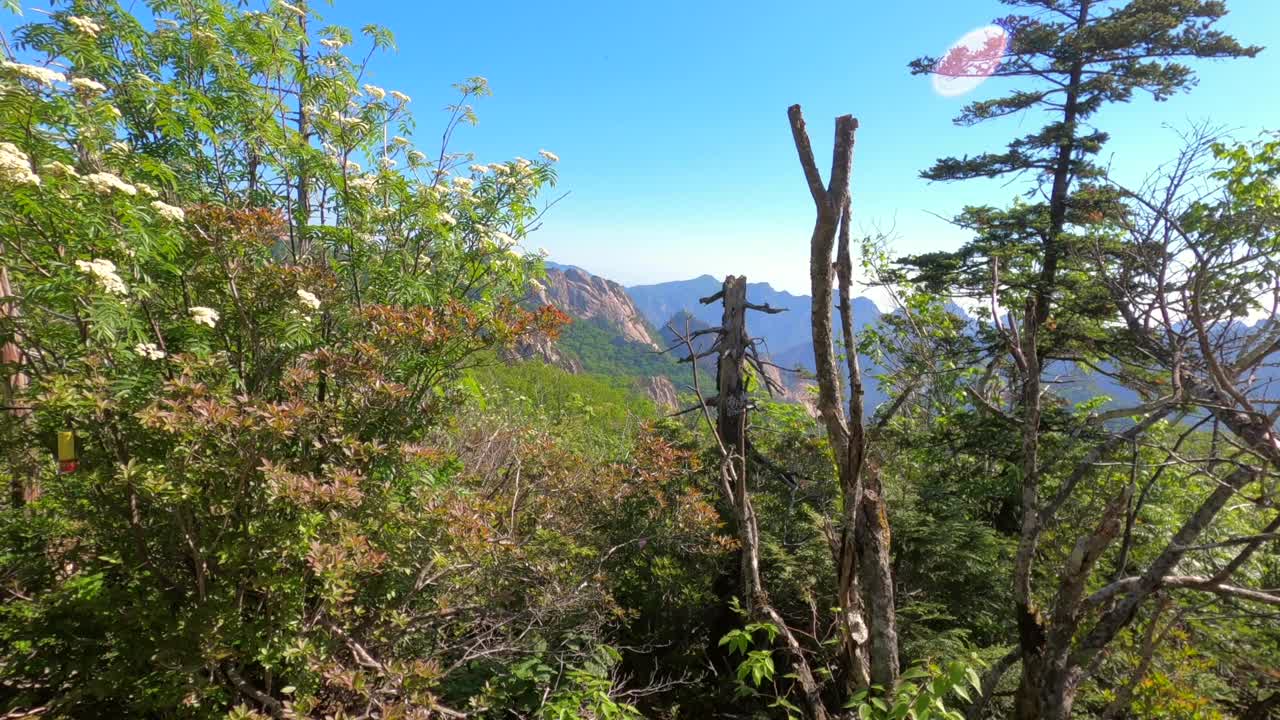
<point>1080,55</point>
<point>1076,57</point>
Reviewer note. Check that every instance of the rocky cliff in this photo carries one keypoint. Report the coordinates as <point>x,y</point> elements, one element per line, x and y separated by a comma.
<point>662,391</point>
<point>545,349</point>
<point>583,296</point>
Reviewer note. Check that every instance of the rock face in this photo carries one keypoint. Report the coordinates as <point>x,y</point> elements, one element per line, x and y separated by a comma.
<point>661,391</point>
<point>544,349</point>
<point>587,297</point>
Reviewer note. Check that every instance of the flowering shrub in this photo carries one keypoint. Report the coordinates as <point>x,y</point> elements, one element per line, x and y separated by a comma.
<point>252,340</point>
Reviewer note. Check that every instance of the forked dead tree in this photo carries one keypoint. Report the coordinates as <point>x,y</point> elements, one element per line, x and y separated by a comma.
<point>861,539</point>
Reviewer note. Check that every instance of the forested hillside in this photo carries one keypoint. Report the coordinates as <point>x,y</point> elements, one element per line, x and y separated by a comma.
<point>296,422</point>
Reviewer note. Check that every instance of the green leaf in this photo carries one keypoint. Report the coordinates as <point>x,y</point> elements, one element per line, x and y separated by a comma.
<point>974,680</point>
<point>914,673</point>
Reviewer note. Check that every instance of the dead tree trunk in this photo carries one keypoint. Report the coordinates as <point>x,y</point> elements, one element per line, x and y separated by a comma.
<point>861,543</point>
<point>734,350</point>
<point>731,392</point>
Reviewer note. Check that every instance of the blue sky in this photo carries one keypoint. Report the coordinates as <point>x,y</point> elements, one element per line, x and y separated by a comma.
<point>670,117</point>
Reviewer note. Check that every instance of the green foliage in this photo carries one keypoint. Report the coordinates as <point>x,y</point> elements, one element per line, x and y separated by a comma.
<point>584,691</point>
<point>740,641</point>
<point>756,666</point>
<point>1085,55</point>
<point>1076,57</point>
<point>594,414</point>
<point>923,693</point>
<point>602,352</point>
<point>254,373</point>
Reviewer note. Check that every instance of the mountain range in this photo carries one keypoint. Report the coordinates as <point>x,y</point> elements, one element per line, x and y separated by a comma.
<point>620,331</point>
<point>617,329</point>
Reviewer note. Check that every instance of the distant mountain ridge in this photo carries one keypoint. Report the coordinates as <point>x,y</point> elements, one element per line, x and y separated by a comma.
<point>608,335</point>
<point>590,297</point>
<point>638,315</point>
<point>783,332</point>
<point>787,337</point>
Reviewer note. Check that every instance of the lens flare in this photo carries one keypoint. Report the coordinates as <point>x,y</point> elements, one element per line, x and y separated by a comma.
<point>970,61</point>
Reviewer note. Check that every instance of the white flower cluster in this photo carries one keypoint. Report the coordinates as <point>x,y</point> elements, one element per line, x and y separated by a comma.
<point>518,172</point>
<point>87,86</point>
<point>309,299</point>
<point>386,162</point>
<point>375,92</point>
<point>201,315</point>
<point>479,169</point>
<point>42,75</point>
<point>416,156</point>
<point>147,190</point>
<point>150,351</point>
<point>353,166</point>
<point>404,99</point>
<point>15,166</point>
<point>295,10</point>
<point>332,44</point>
<point>168,212</point>
<point>364,182</point>
<point>57,167</point>
<point>447,219</point>
<point>549,156</point>
<point>462,184</point>
<point>84,25</point>
<point>104,271</point>
<point>105,183</point>
<point>397,140</point>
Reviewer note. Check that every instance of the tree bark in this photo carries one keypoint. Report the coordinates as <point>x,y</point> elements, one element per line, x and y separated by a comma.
<point>23,485</point>
<point>1031,632</point>
<point>731,432</point>
<point>862,555</point>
